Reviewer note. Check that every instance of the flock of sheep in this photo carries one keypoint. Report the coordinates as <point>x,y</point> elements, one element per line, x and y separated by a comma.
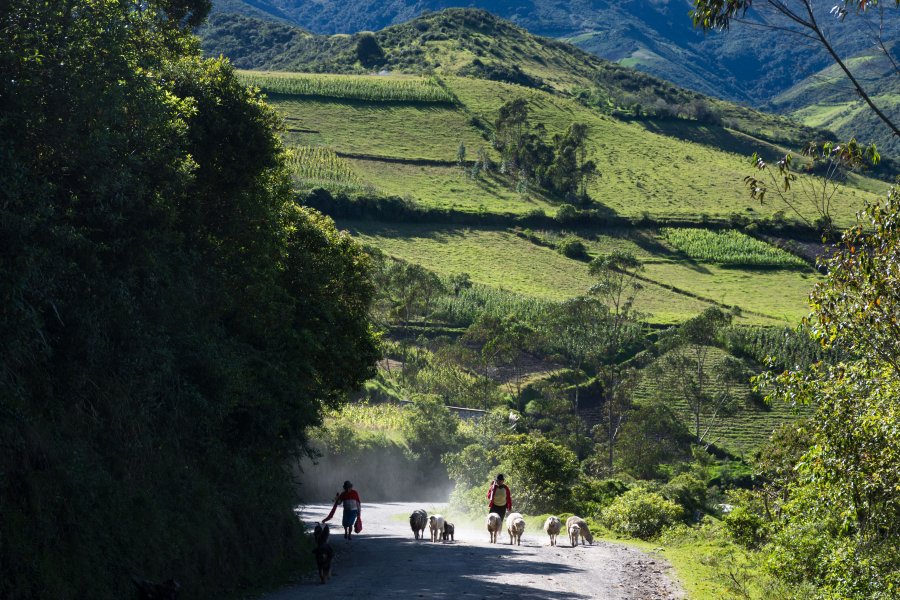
<point>576,527</point>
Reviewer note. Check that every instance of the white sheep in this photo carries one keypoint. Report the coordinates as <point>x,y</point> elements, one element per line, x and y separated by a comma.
<point>494,522</point>
<point>436,524</point>
<point>552,526</point>
<point>585,531</point>
<point>574,531</point>
<point>418,521</point>
<point>515,527</point>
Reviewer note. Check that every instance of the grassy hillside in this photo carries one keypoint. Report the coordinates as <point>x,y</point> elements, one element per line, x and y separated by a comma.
<point>373,137</point>
<point>740,432</point>
<point>410,149</point>
<point>749,64</point>
<point>476,43</point>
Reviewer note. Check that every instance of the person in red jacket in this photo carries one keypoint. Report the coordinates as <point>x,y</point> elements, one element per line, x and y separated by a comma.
<point>499,497</point>
<point>352,510</point>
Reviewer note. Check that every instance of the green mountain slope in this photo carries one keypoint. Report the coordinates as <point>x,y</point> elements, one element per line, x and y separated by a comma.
<point>477,44</point>
<point>409,150</point>
<point>747,64</point>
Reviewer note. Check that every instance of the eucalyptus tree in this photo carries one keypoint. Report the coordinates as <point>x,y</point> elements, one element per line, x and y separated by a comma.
<point>617,286</point>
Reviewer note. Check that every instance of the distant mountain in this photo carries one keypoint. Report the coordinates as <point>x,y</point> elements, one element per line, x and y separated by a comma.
<point>827,99</point>
<point>747,64</point>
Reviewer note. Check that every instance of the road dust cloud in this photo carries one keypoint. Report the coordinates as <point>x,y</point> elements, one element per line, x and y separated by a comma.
<point>378,475</point>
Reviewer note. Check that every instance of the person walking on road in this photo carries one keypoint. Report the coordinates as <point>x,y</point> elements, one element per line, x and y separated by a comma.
<point>352,520</point>
<point>499,497</point>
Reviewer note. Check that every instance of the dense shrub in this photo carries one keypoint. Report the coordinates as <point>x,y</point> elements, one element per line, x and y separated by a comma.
<point>590,496</point>
<point>641,513</point>
<point>541,473</point>
<point>688,490</point>
<point>744,526</point>
<point>572,247</point>
<point>566,213</point>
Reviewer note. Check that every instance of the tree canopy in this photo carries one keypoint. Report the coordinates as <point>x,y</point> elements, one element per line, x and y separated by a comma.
<point>172,322</point>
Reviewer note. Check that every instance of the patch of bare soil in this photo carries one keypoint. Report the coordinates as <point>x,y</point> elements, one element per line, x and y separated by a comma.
<point>385,561</point>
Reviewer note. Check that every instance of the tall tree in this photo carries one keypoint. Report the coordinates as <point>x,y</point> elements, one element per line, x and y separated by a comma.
<point>847,546</point>
<point>504,345</point>
<point>617,286</point>
<point>578,328</point>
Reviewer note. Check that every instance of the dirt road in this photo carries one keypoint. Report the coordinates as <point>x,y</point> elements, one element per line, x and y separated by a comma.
<point>385,561</point>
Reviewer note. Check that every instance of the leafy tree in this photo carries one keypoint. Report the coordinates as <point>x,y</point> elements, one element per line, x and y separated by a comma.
<point>652,436</point>
<point>368,50</point>
<point>430,429</point>
<point>847,546</point>
<point>172,322</point>
<point>687,369</point>
<point>408,290</point>
<point>510,129</point>
<point>541,472</point>
<point>570,171</point>
<point>504,343</point>
<point>578,328</point>
<point>617,286</point>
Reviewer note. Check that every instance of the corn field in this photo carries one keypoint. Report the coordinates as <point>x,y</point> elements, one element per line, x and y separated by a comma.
<point>729,248</point>
<point>315,166</point>
<point>371,88</point>
<point>470,303</point>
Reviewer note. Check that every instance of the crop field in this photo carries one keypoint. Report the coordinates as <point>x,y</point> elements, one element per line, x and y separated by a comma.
<point>411,132</point>
<point>451,187</point>
<point>370,88</point>
<point>641,172</point>
<point>741,433</point>
<point>502,260</point>
<point>731,248</point>
<point>772,295</point>
<point>320,167</point>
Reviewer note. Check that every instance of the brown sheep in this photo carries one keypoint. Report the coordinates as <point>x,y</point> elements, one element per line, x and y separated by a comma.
<point>494,522</point>
<point>583,526</point>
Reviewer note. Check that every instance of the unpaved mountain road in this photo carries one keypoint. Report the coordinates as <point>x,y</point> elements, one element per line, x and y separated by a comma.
<point>385,561</point>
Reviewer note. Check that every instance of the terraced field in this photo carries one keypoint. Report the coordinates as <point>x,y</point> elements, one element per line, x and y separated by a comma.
<point>655,172</point>
<point>739,433</point>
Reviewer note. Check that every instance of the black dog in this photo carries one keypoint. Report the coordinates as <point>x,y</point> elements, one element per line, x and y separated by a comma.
<point>324,554</point>
<point>323,551</point>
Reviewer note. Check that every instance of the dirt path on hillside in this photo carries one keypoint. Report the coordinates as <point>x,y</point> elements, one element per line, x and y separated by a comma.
<point>385,561</point>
